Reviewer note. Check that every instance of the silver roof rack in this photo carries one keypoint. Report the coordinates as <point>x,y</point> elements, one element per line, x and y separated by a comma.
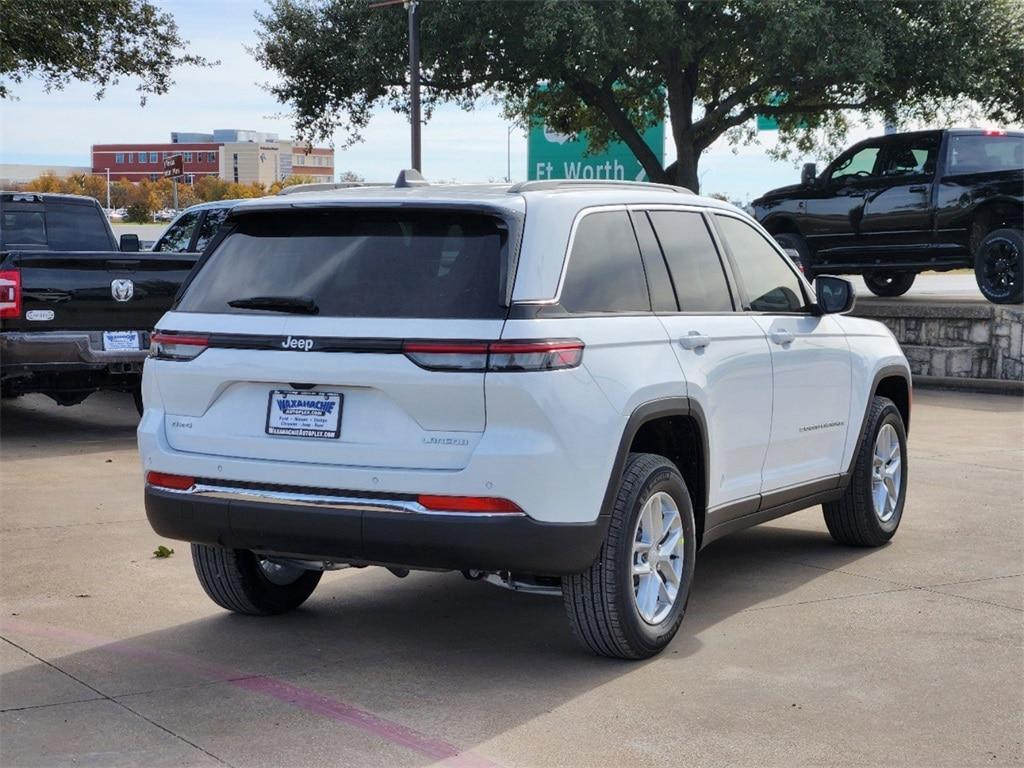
<point>540,185</point>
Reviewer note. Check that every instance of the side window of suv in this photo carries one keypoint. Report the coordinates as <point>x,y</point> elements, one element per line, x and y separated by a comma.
<point>605,273</point>
<point>858,165</point>
<point>209,228</point>
<point>179,234</point>
<point>770,284</point>
<point>696,269</point>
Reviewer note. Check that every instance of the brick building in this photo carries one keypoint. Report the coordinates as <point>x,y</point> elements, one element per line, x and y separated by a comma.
<point>230,154</point>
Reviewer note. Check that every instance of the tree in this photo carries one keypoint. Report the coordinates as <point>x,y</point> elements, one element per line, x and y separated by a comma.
<point>614,67</point>
<point>96,42</point>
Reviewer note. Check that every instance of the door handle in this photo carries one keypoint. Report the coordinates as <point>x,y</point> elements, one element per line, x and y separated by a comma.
<point>782,337</point>
<point>918,188</point>
<point>694,340</point>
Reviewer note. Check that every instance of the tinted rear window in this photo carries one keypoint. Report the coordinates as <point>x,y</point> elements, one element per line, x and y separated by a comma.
<point>360,263</point>
<point>71,227</point>
<point>980,154</point>
<point>22,228</point>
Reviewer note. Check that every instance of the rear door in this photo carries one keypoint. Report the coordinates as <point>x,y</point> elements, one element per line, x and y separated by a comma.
<point>723,354</point>
<point>376,316</point>
<point>810,361</point>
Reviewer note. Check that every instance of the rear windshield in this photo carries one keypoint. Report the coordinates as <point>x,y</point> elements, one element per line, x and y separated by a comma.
<point>985,153</point>
<point>54,226</point>
<point>360,263</point>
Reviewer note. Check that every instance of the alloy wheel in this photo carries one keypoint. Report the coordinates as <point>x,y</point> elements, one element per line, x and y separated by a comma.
<point>658,554</point>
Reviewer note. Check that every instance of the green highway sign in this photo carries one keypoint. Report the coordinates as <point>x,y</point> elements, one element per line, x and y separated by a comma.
<point>552,155</point>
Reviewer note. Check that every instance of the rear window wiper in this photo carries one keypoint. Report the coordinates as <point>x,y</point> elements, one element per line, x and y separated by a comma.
<point>299,305</point>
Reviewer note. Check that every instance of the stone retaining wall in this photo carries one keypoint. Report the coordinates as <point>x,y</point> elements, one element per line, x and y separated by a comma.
<point>961,340</point>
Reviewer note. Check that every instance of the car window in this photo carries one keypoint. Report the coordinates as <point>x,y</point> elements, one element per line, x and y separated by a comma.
<point>860,164</point>
<point>915,156</point>
<point>605,273</point>
<point>985,153</point>
<point>770,284</point>
<point>179,234</point>
<point>663,294</point>
<point>71,227</point>
<point>214,218</point>
<point>697,272</point>
<point>22,228</point>
<point>360,263</point>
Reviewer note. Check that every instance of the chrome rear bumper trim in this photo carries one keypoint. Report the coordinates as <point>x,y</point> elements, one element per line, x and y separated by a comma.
<point>326,501</point>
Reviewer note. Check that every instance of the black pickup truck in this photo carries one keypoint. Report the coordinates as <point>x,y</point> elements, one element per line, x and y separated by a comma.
<point>891,207</point>
<point>76,306</point>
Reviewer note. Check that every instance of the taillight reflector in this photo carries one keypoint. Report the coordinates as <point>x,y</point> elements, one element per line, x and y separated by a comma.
<point>482,504</point>
<point>174,482</point>
<point>10,294</point>
<point>525,355</point>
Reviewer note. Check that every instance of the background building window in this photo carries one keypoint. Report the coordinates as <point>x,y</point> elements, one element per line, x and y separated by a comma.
<point>119,158</point>
<point>188,157</point>
<point>154,157</point>
<point>211,157</point>
<point>131,157</point>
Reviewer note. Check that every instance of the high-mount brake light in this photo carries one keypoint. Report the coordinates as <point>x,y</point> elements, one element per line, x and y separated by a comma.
<point>173,482</point>
<point>10,294</point>
<point>479,504</point>
<point>524,355</point>
<point>172,346</point>
<point>995,132</point>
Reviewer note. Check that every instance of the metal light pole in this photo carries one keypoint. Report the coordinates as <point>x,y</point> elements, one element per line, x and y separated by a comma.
<point>108,190</point>
<point>412,6</point>
<point>414,82</point>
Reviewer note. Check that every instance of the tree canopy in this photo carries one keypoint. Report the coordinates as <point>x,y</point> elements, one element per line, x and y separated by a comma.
<point>97,41</point>
<point>613,67</point>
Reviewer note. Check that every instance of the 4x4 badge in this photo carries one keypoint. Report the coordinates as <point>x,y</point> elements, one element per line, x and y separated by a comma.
<point>122,289</point>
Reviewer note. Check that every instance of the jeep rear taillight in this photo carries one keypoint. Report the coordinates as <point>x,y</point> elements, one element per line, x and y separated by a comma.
<point>10,294</point>
<point>173,346</point>
<point>525,355</point>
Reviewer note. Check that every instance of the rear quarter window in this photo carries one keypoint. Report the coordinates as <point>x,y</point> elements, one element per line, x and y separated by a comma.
<point>605,271</point>
<point>360,263</point>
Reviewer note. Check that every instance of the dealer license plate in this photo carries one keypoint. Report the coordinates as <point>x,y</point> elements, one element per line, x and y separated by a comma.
<point>120,341</point>
<point>294,413</point>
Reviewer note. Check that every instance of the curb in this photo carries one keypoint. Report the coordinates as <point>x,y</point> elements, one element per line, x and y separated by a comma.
<point>964,384</point>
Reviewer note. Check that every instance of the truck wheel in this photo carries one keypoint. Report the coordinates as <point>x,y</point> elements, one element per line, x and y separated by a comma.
<point>244,582</point>
<point>889,283</point>
<point>794,242</point>
<point>869,512</point>
<point>631,600</point>
<point>999,266</point>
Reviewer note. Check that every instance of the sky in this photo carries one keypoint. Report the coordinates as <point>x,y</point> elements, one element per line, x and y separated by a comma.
<point>58,128</point>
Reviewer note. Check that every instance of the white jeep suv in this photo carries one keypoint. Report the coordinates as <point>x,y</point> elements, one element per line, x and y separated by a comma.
<point>554,386</point>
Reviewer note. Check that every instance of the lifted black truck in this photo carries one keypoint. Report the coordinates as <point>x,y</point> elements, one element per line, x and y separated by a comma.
<point>76,305</point>
<point>891,207</point>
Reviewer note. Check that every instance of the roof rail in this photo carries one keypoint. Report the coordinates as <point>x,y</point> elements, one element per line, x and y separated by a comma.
<point>534,186</point>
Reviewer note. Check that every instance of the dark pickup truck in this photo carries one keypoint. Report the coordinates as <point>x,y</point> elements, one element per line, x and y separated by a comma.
<point>76,306</point>
<point>891,207</point>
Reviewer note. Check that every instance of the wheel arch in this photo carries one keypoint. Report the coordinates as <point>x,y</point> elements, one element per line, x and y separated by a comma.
<point>992,215</point>
<point>675,428</point>
<point>893,382</point>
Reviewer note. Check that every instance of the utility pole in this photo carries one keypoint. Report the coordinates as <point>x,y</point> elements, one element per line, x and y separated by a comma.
<point>108,191</point>
<point>415,120</point>
<point>414,82</point>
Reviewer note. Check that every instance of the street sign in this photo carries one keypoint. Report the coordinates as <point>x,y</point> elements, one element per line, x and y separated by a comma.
<point>552,155</point>
<point>173,167</point>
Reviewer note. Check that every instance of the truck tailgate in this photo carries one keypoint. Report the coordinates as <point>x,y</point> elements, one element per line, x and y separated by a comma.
<point>96,290</point>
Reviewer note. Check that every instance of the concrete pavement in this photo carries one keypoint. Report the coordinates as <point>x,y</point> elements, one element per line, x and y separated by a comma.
<point>794,652</point>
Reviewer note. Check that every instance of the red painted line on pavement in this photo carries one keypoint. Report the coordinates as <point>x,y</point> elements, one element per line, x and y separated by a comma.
<point>293,695</point>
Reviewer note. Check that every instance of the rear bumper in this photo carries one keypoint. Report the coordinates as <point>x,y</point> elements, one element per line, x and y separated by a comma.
<point>373,530</point>
<point>55,351</point>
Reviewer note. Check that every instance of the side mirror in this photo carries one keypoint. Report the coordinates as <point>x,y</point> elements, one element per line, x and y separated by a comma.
<point>809,175</point>
<point>835,295</point>
<point>129,244</point>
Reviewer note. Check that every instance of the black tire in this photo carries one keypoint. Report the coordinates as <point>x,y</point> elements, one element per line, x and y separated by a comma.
<point>999,266</point>
<point>889,284</point>
<point>234,579</point>
<point>600,602</point>
<point>795,242</point>
<point>852,519</point>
